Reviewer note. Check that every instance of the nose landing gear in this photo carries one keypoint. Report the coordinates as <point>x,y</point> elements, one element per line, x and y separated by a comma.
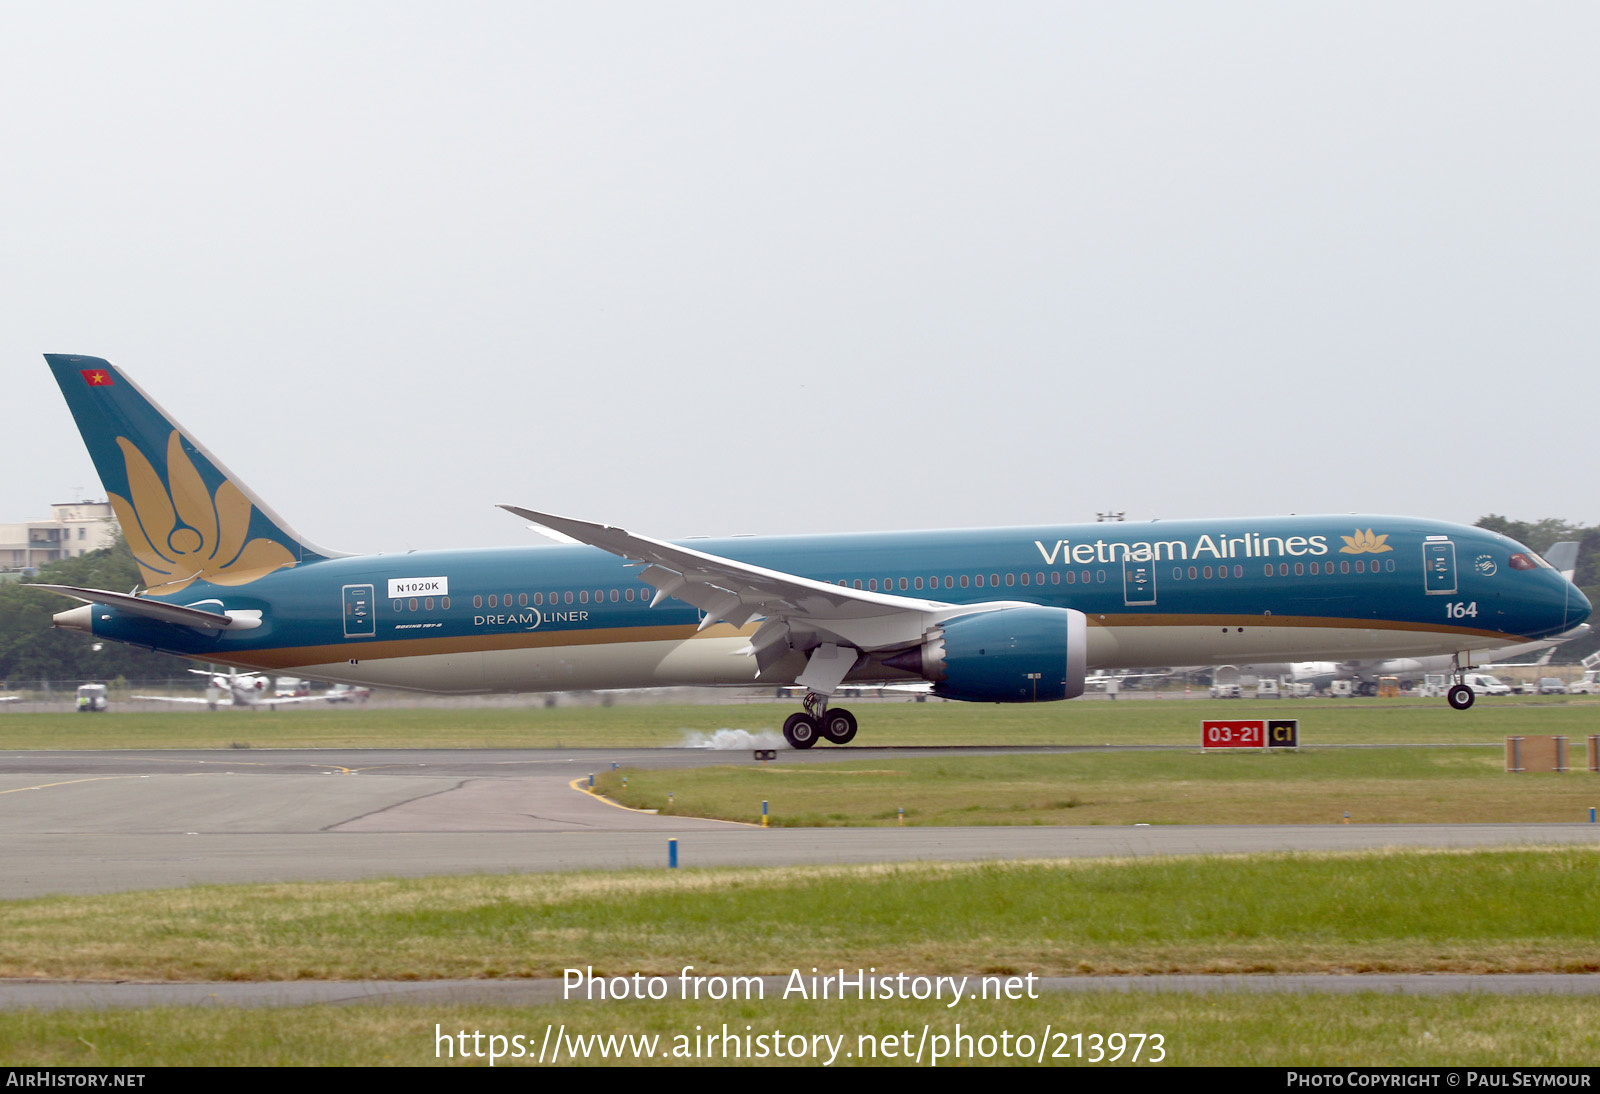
<point>1460,695</point>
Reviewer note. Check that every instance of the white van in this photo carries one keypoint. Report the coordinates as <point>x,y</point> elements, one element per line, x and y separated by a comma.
<point>1484,684</point>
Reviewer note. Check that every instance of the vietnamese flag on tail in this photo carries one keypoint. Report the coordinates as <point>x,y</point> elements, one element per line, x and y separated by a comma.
<point>96,377</point>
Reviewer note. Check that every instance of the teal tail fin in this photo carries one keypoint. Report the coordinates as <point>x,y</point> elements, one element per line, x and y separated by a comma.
<point>185,515</point>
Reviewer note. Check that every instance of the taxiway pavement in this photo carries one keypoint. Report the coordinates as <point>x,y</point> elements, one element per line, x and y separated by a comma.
<point>92,822</point>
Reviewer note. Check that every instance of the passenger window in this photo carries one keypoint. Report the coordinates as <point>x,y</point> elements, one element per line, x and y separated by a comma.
<point>1344,566</point>
<point>1299,569</point>
<point>567,596</point>
<point>857,583</point>
<point>411,605</point>
<point>1011,579</point>
<point>902,584</point>
<point>963,581</point>
<point>494,601</point>
<point>522,600</point>
<point>538,598</point>
<point>1361,566</point>
<point>614,595</point>
<point>1024,577</point>
<point>1206,573</point>
<point>978,581</point>
<point>949,582</point>
<point>1055,577</point>
<point>427,605</point>
<point>1194,572</point>
<point>1238,571</point>
<point>445,603</point>
<point>583,596</point>
<point>396,605</point>
<point>477,602</point>
<point>1177,573</point>
<point>918,582</point>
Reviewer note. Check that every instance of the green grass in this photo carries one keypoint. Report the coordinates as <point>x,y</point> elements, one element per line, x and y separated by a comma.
<point>1278,1030</point>
<point>1481,911</point>
<point>1168,721</point>
<point>1436,785</point>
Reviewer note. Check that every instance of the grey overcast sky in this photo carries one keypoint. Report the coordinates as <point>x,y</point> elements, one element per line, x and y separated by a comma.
<point>704,268</point>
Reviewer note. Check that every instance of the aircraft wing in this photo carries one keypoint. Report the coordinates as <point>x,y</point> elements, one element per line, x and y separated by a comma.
<point>800,613</point>
<point>222,701</point>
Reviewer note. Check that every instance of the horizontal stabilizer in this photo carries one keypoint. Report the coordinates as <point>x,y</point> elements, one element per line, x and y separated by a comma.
<point>153,609</point>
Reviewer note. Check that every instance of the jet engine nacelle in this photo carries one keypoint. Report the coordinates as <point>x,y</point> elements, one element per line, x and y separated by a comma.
<point>1024,654</point>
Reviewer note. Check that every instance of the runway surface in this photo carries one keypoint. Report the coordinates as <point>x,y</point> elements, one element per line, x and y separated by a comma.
<point>92,822</point>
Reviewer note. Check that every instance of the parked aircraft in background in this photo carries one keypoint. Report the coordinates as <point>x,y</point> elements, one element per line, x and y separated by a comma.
<point>233,689</point>
<point>984,615</point>
<point>1409,670</point>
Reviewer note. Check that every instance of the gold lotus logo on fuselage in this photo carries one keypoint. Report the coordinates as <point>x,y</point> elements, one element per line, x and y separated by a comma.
<point>1365,543</point>
<point>180,532</point>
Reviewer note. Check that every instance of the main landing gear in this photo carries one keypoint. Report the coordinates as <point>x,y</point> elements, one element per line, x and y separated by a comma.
<point>801,730</point>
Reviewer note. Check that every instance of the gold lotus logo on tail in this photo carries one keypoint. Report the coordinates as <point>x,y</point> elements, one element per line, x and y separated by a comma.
<point>180,532</point>
<point>1365,543</point>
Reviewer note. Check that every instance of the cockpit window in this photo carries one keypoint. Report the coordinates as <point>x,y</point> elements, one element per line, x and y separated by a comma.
<point>1528,561</point>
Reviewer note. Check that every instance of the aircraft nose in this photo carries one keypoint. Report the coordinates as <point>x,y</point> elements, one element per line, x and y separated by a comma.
<point>1578,606</point>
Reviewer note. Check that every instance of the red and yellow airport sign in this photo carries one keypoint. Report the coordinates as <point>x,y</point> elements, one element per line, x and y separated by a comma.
<point>1260,733</point>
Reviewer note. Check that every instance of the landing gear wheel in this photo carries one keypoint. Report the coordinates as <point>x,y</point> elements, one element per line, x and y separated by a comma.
<point>800,730</point>
<point>1461,697</point>
<point>839,726</point>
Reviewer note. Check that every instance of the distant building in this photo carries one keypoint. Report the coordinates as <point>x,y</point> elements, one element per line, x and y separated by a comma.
<point>74,528</point>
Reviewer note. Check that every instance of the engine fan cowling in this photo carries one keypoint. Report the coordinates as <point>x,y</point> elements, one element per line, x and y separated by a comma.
<point>1024,654</point>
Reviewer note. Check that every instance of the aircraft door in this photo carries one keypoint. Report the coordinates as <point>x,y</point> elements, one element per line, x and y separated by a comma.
<point>360,615</point>
<point>1439,565</point>
<point>1138,582</point>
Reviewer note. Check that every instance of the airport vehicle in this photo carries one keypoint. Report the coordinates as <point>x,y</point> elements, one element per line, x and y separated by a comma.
<point>92,698</point>
<point>1552,685</point>
<point>344,693</point>
<point>290,687</point>
<point>1589,682</point>
<point>984,615</point>
<point>1485,684</point>
<point>1434,686</point>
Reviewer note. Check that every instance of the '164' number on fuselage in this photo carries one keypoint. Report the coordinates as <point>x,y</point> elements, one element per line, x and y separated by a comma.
<point>1457,610</point>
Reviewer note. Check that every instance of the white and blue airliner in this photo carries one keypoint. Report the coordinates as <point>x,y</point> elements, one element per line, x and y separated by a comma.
<point>993,615</point>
